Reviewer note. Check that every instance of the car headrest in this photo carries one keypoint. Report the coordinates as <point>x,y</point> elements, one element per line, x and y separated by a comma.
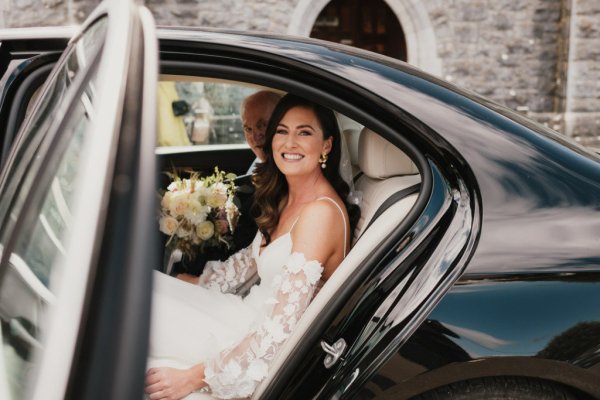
<point>380,159</point>
<point>351,136</point>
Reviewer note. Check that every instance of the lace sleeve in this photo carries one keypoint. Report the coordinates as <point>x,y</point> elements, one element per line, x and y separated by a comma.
<point>227,276</point>
<point>237,371</point>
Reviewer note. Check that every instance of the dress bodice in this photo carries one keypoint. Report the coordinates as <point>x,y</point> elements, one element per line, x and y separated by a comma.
<point>268,261</point>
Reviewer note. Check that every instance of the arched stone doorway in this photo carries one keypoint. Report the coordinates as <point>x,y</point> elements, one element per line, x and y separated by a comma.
<point>421,46</point>
<point>369,25</point>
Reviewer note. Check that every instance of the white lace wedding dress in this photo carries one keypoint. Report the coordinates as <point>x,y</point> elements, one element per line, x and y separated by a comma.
<point>234,338</point>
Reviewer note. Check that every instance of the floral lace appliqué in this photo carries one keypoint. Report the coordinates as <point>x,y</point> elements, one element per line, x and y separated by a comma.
<point>236,372</point>
<point>229,275</point>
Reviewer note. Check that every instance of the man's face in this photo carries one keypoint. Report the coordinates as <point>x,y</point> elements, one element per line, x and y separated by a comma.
<point>255,118</point>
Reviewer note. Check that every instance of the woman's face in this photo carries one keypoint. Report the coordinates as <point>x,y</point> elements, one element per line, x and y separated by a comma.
<point>298,142</point>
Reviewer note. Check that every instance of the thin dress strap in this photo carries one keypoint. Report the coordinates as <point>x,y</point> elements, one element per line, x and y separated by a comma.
<point>343,218</point>
<point>341,212</point>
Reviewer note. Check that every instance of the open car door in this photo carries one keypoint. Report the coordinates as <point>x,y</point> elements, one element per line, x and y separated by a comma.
<point>76,220</point>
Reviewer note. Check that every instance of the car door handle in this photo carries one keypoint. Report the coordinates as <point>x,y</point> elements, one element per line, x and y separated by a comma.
<point>334,352</point>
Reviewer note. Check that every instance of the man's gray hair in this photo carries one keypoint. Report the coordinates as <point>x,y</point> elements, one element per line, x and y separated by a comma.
<point>265,97</point>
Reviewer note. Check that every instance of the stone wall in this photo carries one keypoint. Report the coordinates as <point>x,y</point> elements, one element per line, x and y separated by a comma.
<point>583,87</point>
<point>506,50</point>
<point>539,57</point>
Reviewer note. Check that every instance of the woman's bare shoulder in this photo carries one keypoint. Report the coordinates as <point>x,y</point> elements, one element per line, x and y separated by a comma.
<point>318,230</point>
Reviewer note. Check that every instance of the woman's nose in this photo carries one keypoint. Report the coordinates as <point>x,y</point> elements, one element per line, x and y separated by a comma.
<point>290,140</point>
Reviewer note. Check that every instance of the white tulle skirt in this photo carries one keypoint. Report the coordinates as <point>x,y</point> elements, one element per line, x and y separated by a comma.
<point>191,324</point>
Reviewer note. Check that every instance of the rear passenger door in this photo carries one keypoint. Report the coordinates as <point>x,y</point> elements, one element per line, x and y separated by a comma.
<point>74,270</point>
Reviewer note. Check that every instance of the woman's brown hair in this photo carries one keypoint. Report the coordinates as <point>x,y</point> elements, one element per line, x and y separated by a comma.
<point>271,192</point>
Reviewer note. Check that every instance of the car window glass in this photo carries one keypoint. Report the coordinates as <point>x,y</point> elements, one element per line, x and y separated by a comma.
<point>28,287</point>
<point>200,112</point>
<point>46,111</point>
<point>29,281</point>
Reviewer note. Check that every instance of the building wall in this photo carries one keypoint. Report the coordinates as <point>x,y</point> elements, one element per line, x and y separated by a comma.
<point>539,57</point>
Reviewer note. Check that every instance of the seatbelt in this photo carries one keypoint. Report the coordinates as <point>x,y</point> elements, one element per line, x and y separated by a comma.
<point>394,198</point>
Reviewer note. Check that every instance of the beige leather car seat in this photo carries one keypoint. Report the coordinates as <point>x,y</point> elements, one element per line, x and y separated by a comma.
<point>385,170</point>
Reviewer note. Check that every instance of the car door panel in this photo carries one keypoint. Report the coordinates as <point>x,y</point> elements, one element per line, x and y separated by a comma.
<point>78,146</point>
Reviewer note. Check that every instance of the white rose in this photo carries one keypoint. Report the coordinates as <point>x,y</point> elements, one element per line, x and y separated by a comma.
<point>205,230</point>
<point>179,203</point>
<point>165,203</point>
<point>168,225</point>
<point>183,231</point>
<point>216,200</point>
<point>195,212</point>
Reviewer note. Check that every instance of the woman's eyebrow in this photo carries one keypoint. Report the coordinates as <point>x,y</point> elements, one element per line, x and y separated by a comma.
<point>280,124</point>
<point>305,126</point>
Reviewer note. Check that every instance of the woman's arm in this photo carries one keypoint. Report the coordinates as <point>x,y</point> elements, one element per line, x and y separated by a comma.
<point>226,276</point>
<point>238,371</point>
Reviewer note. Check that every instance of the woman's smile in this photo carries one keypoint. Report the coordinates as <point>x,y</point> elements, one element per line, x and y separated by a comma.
<point>292,156</point>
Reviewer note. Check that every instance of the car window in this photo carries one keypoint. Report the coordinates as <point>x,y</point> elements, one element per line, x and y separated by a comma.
<point>49,106</point>
<point>31,278</point>
<point>196,111</point>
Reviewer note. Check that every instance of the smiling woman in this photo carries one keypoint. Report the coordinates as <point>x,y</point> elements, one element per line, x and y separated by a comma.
<point>303,236</point>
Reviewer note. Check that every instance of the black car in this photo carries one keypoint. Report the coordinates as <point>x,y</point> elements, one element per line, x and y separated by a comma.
<point>482,280</point>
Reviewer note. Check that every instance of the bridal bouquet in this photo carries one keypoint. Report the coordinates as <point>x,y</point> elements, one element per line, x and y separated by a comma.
<point>199,214</point>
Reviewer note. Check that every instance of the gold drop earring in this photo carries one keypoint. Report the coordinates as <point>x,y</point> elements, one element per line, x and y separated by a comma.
<point>323,160</point>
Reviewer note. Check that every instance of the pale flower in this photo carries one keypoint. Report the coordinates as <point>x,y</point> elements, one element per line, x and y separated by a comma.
<point>216,199</point>
<point>196,212</point>
<point>275,330</point>
<point>221,226</point>
<point>173,186</point>
<point>257,370</point>
<point>294,297</point>
<point>205,230</point>
<point>295,262</point>
<point>183,231</point>
<point>179,203</point>
<point>168,225</point>
<point>232,370</point>
<point>165,202</point>
<point>289,309</point>
<point>313,271</point>
<point>286,287</point>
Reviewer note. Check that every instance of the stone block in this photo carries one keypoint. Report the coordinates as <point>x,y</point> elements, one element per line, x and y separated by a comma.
<point>585,104</point>
<point>588,7</point>
<point>588,27</point>
<point>587,49</point>
<point>586,126</point>
<point>475,11</point>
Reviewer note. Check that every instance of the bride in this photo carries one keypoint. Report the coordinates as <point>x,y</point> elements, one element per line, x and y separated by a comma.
<point>203,337</point>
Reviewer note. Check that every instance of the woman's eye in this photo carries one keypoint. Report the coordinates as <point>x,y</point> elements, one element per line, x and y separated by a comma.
<point>304,133</point>
<point>281,132</point>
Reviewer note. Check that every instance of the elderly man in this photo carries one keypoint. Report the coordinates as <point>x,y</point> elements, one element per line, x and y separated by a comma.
<point>255,112</point>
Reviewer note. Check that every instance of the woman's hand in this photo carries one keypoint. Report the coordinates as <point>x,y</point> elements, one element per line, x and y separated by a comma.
<point>188,278</point>
<point>173,383</point>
